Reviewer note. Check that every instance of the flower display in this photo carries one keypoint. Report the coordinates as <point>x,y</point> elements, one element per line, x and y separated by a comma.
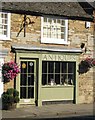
<point>91,61</point>
<point>10,71</point>
<point>86,64</point>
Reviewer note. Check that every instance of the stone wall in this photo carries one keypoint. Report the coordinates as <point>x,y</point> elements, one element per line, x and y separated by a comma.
<point>77,34</point>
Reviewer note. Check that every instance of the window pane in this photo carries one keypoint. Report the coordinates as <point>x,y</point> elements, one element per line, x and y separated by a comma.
<point>57,67</point>
<point>57,78</point>
<point>5,26</point>
<point>5,32</point>
<point>49,20</point>
<point>44,67</point>
<point>58,21</point>
<point>71,79</point>
<point>6,15</point>
<point>50,78</point>
<point>62,36</point>
<point>64,68</point>
<point>71,67</point>
<point>54,20</point>
<point>62,29</point>
<point>66,80</point>
<point>50,67</point>
<point>45,19</point>
<point>44,79</point>
<point>63,22</point>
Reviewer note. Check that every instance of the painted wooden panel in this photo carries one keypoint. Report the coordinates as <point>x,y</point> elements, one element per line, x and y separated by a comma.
<point>57,93</point>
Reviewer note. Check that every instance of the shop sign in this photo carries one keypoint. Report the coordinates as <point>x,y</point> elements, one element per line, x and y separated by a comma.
<point>53,57</point>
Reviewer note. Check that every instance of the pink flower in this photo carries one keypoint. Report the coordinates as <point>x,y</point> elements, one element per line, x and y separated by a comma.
<point>10,70</point>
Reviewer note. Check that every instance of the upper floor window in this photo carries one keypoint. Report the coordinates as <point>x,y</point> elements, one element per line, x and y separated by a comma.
<point>54,30</point>
<point>4,26</point>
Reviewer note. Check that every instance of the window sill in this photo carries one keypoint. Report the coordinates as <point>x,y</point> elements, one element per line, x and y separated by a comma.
<point>49,86</point>
<point>5,39</point>
<point>55,41</point>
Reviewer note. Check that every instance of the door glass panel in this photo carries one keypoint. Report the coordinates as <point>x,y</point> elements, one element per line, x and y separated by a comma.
<point>30,67</point>
<point>30,92</point>
<point>23,80</point>
<point>23,92</point>
<point>23,67</point>
<point>30,79</point>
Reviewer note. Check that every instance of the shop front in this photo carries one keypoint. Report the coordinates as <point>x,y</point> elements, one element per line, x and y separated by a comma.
<point>47,75</point>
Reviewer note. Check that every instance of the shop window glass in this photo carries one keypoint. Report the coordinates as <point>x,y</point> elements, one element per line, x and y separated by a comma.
<point>58,73</point>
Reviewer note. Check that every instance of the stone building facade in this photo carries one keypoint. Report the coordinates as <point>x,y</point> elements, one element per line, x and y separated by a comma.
<point>78,33</point>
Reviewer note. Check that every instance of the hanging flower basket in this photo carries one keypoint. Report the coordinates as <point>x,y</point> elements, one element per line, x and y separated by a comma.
<point>9,71</point>
<point>86,64</point>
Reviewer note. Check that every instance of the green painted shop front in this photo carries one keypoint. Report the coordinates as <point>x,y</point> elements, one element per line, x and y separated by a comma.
<point>47,76</point>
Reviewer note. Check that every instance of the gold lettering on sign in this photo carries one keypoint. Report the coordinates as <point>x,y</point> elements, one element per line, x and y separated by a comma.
<point>55,57</point>
<point>44,57</point>
<point>52,57</point>
<point>64,57</point>
<point>59,58</point>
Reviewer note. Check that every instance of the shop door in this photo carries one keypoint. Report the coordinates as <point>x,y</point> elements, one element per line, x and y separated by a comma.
<point>28,81</point>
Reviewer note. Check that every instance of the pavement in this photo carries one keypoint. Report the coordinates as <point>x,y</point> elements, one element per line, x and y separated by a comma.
<point>50,111</point>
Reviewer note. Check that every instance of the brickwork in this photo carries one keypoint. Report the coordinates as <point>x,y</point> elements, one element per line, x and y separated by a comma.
<point>77,34</point>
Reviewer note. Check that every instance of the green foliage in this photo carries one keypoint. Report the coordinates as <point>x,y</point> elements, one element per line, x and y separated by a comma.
<point>10,97</point>
<point>16,99</point>
<point>15,93</point>
<point>7,99</point>
<point>10,91</point>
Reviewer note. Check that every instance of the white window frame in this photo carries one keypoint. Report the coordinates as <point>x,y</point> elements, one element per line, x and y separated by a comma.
<point>54,40</point>
<point>6,37</point>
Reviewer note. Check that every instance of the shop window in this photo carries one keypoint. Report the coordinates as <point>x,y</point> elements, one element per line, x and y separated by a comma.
<point>4,26</point>
<point>54,30</point>
<point>58,73</point>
